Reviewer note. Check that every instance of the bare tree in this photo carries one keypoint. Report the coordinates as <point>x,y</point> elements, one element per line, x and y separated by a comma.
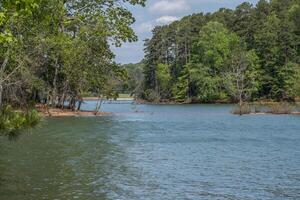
<point>241,80</point>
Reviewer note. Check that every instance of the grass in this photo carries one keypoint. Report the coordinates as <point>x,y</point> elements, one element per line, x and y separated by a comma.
<point>264,108</point>
<point>242,110</point>
<point>281,108</point>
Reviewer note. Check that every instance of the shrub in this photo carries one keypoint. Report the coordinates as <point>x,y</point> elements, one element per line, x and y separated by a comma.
<point>152,95</point>
<point>32,118</point>
<point>241,110</point>
<point>297,107</point>
<point>257,108</point>
<point>12,121</point>
<point>281,108</point>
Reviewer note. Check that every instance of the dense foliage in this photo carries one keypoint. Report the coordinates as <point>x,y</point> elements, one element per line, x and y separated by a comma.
<point>133,84</point>
<point>250,53</point>
<point>12,121</point>
<point>52,52</point>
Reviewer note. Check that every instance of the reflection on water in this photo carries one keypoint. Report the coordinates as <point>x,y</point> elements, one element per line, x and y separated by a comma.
<point>155,152</point>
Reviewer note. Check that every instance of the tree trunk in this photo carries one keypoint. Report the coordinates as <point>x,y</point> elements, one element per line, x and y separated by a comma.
<point>241,103</point>
<point>72,104</point>
<point>186,52</point>
<point>54,92</point>
<point>98,106</point>
<point>1,93</point>
<point>63,99</point>
<point>79,104</point>
<point>189,54</point>
<point>2,70</point>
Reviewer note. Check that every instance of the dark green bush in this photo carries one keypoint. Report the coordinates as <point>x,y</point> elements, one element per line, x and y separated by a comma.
<point>152,95</point>
<point>12,121</point>
<point>32,118</point>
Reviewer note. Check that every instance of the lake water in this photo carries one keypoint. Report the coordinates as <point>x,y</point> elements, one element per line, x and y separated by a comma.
<point>155,152</point>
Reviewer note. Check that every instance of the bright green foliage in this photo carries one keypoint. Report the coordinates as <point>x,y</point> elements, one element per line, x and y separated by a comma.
<point>163,79</point>
<point>214,46</point>
<point>201,51</point>
<point>287,81</point>
<point>181,87</point>
<point>67,48</point>
<point>241,81</point>
<point>196,83</point>
<point>12,9</point>
<point>53,52</point>
<point>266,40</point>
<point>209,62</point>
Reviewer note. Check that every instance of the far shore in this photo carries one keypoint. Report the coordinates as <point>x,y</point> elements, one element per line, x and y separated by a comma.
<point>118,99</point>
<point>57,112</point>
<point>169,102</point>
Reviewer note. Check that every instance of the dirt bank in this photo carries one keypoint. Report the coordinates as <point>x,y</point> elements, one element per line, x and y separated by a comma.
<point>56,112</point>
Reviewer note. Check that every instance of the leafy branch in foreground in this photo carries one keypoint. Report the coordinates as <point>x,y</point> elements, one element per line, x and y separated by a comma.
<point>12,121</point>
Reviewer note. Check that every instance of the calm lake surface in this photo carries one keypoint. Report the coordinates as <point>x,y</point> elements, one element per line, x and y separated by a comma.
<point>155,152</point>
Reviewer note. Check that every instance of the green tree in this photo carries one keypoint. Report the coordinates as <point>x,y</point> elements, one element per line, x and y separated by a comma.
<point>135,79</point>
<point>198,62</point>
<point>163,80</point>
<point>53,52</point>
<point>209,58</point>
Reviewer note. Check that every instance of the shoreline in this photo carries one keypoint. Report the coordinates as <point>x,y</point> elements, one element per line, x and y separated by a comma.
<point>262,103</point>
<point>97,98</point>
<point>269,113</point>
<point>55,112</point>
<point>170,102</point>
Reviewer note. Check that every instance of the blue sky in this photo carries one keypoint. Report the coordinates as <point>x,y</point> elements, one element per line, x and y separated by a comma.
<point>159,12</point>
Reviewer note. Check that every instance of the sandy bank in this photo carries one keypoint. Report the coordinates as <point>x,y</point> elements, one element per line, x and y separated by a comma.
<point>53,112</point>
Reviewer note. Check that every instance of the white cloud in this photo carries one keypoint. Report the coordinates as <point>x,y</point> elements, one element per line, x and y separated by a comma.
<point>145,27</point>
<point>166,19</point>
<point>170,6</point>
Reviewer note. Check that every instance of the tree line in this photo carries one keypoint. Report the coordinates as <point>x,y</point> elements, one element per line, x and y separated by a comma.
<point>54,52</point>
<point>245,54</point>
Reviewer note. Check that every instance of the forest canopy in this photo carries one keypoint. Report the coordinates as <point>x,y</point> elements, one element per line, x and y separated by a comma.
<point>54,52</point>
<point>245,54</point>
